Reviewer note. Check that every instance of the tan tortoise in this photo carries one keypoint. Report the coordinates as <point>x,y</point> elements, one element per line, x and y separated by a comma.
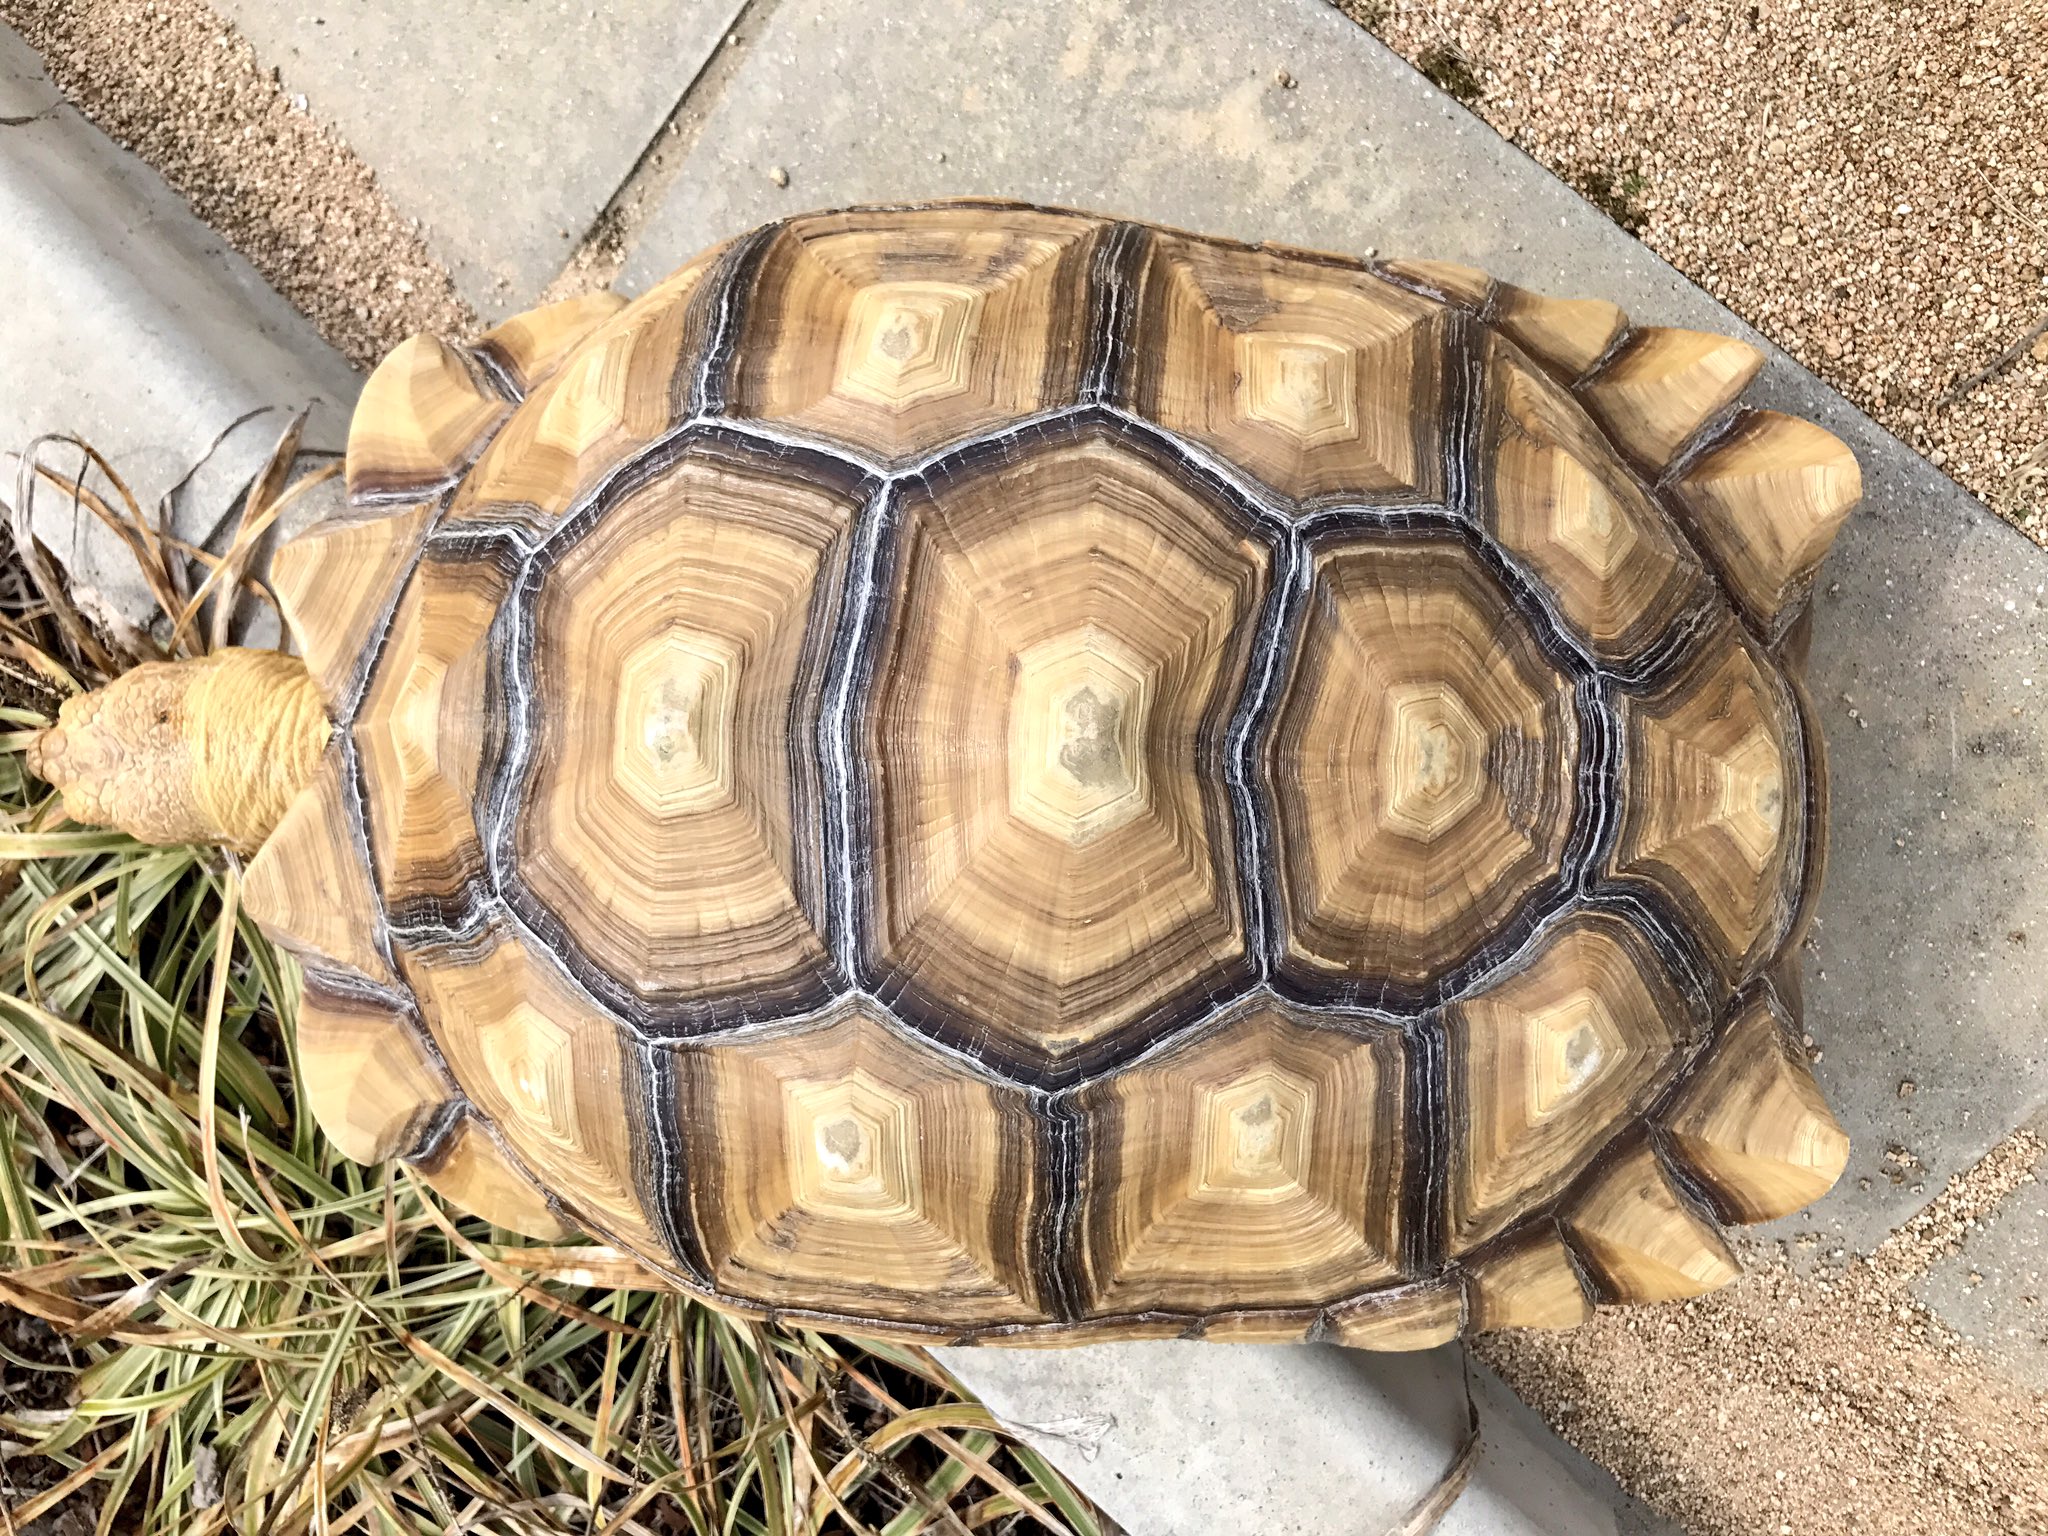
<point>982,772</point>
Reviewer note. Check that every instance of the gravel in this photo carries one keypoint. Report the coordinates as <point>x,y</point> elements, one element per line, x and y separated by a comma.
<point>173,82</point>
<point>1863,181</point>
<point>1808,1398</point>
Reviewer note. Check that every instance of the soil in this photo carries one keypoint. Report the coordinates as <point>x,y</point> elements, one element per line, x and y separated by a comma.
<point>173,82</point>
<point>1865,182</point>
<point>1828,1400</point>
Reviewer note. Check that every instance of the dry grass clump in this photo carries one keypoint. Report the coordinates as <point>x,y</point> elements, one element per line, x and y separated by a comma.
<point>212,1322</point>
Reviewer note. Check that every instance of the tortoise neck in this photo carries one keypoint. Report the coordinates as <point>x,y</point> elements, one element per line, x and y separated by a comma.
<point>210,750</point>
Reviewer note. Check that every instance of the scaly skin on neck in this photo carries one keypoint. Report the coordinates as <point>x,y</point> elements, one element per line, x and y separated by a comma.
<point>204,751</point>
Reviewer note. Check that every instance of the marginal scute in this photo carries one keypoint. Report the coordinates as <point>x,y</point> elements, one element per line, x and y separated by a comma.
<point>1557,498</point>
<point>1664,385</point>
<point>1767,501</point>
<point>1258,1164</point>
<point>421,419</point>
<point>1714,807</point>
<point>1452,280</point>
<point>421,733</point>
<point>626,384</point>
<point>843,1168</point>
<point>532,345</point>
<point>1528,1281</point>
<point>1422,765</point>
<point>1051,836</point>
<point>1566,335</point>
<point>670,819</point>
<point>1548,1064</point>
<point>1408,1317</point>
<point>1643,1242</point>
<point>1257,1325</point>
<point>902,338</point>
<point>1317,379</point>
<point>334,584</point>
<point>557,1079</point>
<point>370,1082</point>
<point>470,1172</point>
<point>309,889</point>
<point>1751,1124</point>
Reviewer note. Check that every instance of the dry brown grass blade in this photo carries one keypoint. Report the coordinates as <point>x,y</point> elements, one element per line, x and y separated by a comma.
<point>260,508</point>
<point>523,1287</point>
<point>123,1307</point>
<point>980,1418</point>
<point>85,645</point>
<point>599,1266</point>
<point>68,1316</point>
<point>144,544</point>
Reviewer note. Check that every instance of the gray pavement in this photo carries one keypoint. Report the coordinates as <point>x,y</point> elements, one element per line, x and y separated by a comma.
<point>1176,1440</point>
<point>502,128</point>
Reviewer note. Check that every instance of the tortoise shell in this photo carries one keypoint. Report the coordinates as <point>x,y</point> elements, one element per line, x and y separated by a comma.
<point>982,772</point>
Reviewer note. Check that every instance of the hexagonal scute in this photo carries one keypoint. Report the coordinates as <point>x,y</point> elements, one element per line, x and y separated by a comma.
<point>1422,763</point>
<point>422,733</point>
<point>1256,1164</point>
<point>1051,834</point>
<point>1558,498</point>
<point>839,1166</point>
<point>1714,808</point>
<point>558,1081</point>
<point>1319,378</point>
<point>1549,1061</point>
<point>897,333</point>
<point>668,835</point>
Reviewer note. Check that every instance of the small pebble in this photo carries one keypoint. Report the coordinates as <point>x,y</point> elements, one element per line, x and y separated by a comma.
<point>778,175</point>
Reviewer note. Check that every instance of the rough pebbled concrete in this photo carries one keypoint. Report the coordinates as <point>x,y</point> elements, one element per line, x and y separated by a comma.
<point>504,129</point>
<point>130,324</point>
<point>1930,621</point>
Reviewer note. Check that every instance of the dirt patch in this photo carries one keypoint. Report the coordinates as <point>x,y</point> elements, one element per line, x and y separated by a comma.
<point>1826,1402</point>
<point>1867,185</point>
<point>175,83</point>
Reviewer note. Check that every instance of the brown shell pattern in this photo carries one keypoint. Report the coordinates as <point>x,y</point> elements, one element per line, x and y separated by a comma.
<point>973,771</point>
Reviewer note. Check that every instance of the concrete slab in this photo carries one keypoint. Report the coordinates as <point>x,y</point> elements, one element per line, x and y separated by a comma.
<point>1173,1440</point>
<point>1931,626</point>
<point>1994,1290</point>
<point>130,324</point>
<point>503,129</point>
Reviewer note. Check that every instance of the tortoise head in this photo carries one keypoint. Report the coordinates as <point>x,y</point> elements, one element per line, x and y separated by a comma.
<point>210,750</point>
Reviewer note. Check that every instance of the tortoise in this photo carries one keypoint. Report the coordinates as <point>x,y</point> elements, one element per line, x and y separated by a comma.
<point>977,772</point>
